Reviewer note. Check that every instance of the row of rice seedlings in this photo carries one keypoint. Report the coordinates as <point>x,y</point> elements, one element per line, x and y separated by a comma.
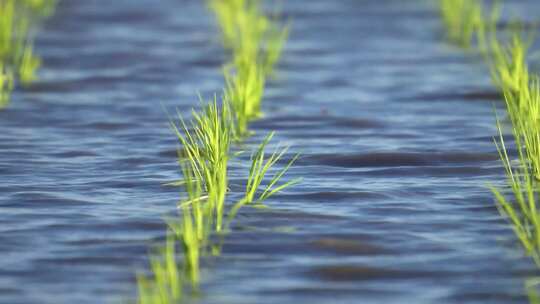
<point>256,42</point>
<point>203,160</point>
<point>509,72</point>
<point>248,32</point>
<point>523,108</point>
<point>520,204</point>
<point>507,61</point>
<point>18,19</point>
<point>521,91</point>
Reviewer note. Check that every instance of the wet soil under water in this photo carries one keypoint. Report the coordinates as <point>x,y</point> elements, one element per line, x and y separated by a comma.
<point>394,127</point>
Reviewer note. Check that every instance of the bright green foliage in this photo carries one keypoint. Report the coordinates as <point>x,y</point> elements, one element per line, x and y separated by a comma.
<point>190,232</point>
<point>165,285</point>
<point>6,86</point>
<point>226,12</point>
<point>251,35</point>
<point>17,20</point>
<point>206,143</point>
<point>196,201</point>
<point>461,18</point>
<point>186,232</point>
<point>28,66</point>
<point>521,90</point>
<point>486,30</point>
<point>274,47</point>
<point>242,23</point>
<point>14,31</point>
<point>261,164</point>
<point>509,70</point>
<point>508,64</point>
<point>244,92</point>
<point>467,22</point>
<point>203,160</point>
<point>523,108</point>
<point>521,210</point>
<point>256,43</point>
<point>42,7</point>
<point>531,285</point>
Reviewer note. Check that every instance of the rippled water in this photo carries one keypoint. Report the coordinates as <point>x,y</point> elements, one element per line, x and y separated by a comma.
<point>394,127</point>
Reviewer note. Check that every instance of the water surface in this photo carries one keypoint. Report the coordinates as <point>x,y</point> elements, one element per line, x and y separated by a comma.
<point>394,127</point>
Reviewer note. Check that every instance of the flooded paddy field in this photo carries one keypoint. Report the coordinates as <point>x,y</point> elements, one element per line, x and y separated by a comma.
<point>394,128</point>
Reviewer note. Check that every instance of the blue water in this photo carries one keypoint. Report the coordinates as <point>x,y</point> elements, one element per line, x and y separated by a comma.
<point>393,124</point>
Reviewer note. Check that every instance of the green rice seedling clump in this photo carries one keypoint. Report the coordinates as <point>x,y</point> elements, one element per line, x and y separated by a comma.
<point>261,165</point>
<point>44,8</point>
<point>519,200</point>
<point>203,160</point>
<point>18,20</point>
<point>521,90</point>
<point>29,64</point>
<point>508,64</point>
<point>6,85</point>
<point>256,43</point>
<point>523,109</point>
<point>190,232</point>
<point>521,209</point>
<point>206,143</point>
<point>461,18</point>
<point>244,92</point>
<point>249,33</point>
<point>165,284</point>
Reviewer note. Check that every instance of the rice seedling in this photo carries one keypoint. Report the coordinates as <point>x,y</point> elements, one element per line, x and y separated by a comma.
<point>521,90</point>
<point>260,166</point>
<point>190,231</point>
<point>44,8</point>
<point>523,108</point>
<point>206,143</point>
<point>6,86</point>
<point>240,21</point>
<point>461,18</point>
<point>252,27</point>
<point>17,59</point>
<point>508,63</point>
<point>15,26</point>
<point>251,35</point>
<point>486,30</point>
<point>274,48</point>
<point>186,231</point>
<point>244,92</point>
<point>256,43</point>
<point>165,285</point>
<point>205,153</point>
<point>521,210</point>
<point>28,66</point>
<point>225,12</point>
<point>195,201</point>
<point>531,286</point>
<point>7,24</point>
